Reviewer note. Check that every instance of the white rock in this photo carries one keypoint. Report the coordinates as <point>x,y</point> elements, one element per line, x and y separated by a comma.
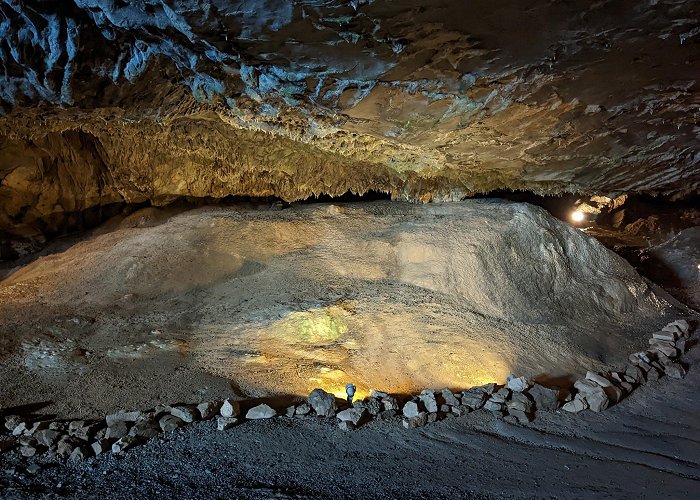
<point>429,401</point>
<point>353,415</point>
<point>225,423</point>
<point>517,384</point>
<point>230,408</point>
<point>598,379</point>
<point>260,412</point>
<point>411,409</point>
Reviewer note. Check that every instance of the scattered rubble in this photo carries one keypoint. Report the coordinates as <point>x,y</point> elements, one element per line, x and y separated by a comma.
<point>516,403</point>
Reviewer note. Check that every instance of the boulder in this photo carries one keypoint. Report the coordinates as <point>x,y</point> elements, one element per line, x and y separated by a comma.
<point>169,423</point>
<point>418,420</point>
<point>666,335</point>
<point>576,405</point>
<point>387,415</point>
<point>209,409</point>
<point>597,401</point>
<point>653,374</point>
<point>491,405</point>
<point>372,405</point>
<point>429,401</point>
<point>65,446</point>
<point>117,430</point>
<point>474,398</point>
<point>390,403</point>
<point>322,403</point>
<point>449,398</point>
<point>517,384</point>
<point>520,402</point>
<point>12,421</point>
<point>353,415</point>
<point>411,409</point>
<point>545,398</point>
<point>303,409</point>
<point>289,412</point>
<point>598,379</point>
<point>225,423</point>
<point>123,416</point>
<point>186,413</point>
<point>230,408</point>
<point>260,412</point>
<point>47,437</point>
<point>460,410</point>
<point>635,373</point>
<point>679,325</point>
<point>123,444</point>
<point>675,370</point>
<point>145,429</point>
<point>102,445</point>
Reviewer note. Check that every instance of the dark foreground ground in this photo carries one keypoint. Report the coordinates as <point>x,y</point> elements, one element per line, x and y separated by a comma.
<point>648,446</point>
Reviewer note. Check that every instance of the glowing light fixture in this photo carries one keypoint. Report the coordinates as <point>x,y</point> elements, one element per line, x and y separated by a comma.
<point>577,216</point>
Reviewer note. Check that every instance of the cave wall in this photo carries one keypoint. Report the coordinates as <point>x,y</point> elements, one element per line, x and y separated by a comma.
<point>105,100</point>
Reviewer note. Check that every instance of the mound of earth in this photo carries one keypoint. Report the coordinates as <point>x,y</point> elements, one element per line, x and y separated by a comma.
<point>386,295</point>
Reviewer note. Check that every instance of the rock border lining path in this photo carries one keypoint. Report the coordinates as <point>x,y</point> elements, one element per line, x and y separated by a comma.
<point>515,402</point>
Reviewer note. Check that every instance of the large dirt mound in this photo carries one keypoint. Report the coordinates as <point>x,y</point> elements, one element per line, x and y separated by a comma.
<point>388,295</point>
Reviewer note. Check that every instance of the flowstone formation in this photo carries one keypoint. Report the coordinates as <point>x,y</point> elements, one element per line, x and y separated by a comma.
<point>106,101</point>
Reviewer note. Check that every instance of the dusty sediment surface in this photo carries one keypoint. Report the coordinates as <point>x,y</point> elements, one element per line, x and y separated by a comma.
<point>644,447</point>
<point>216,301</point>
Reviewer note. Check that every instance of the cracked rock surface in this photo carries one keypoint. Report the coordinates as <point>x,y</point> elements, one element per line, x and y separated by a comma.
<point>106,101</point>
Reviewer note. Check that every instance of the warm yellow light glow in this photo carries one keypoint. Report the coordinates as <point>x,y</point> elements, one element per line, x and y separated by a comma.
<point>577,216</point>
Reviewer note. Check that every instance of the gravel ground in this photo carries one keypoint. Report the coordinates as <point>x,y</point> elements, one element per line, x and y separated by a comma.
<point>645,447</point>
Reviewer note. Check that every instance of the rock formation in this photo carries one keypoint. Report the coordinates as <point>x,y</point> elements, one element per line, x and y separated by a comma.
<point>106,101</point>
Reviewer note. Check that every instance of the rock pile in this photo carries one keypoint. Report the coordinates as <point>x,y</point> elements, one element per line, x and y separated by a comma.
<point>515,402</point>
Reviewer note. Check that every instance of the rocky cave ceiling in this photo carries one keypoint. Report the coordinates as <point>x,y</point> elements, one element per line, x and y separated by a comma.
<point>110,100</point>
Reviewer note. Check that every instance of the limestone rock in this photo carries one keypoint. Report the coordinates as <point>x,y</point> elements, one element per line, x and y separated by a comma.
<point>117,430</point>
<point>387,415</point>
<point>230,408</point>
<point>186,413</point>
<point>390,403</point>
<point>598,379</point>
<point>597,401</point>
<point>545,398</point>
<point>124,443</point>
<point>353,415</point>
<point>449,398</point>
<point>261,411</point>
<point>28,450</point>
<point>373,405</point>
<point>123,416</point>
<point>517,384</point>
<point>289,412</point>
<point>225,423</point>
<point>169,423</point>
<point>415,421</point>
<point>474,398</point>
<point>429,401</point>
<point>675,370</point>
<point>460,410</point>
<point>322,403</point>
<point>411,409</point>
<point>12,421</point>
<point>495,406</point>
<point>47,437</point>
<point>209,409</point>
<point>102,445</point>
<point>303,409</point>
<point>145,429</point>
<point>575,406</point>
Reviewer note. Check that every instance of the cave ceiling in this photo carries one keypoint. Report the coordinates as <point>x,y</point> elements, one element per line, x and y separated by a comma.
<point>109,100</point>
